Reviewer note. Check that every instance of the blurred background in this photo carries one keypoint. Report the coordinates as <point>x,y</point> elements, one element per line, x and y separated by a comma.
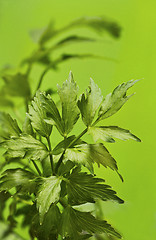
<point>132,56</point>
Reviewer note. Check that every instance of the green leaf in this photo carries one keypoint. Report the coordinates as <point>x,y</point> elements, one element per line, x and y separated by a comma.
<point>83,188</point>
<point>108,133</point>
<point>27,127</point>
<point>4,196</point>
<point>80,155</point>
<point>73,39</point>
<point>68,97</point>
<point>17,85</point>
<point>65,168</point>
<point>17,177</point>
<point>25,146</point>
<point>115,100</point>
<point>98,24</point>
<point>74,223</point>
<point>41,36</point>
<point>89,104</point>
<point>49,227</point>
<point>87,154</point>
<point>37,115</point>
<point>49,192</point>
<point>52,112</point>
<point>8,126</point>
<point>61,146</point>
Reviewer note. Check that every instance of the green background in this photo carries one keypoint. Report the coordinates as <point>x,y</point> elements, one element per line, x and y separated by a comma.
<point>135,57</point>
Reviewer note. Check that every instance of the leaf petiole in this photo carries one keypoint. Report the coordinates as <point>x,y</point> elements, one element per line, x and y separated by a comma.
<point>50,155</point>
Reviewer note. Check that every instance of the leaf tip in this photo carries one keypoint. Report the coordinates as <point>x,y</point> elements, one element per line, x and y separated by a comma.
<point>71,77</point>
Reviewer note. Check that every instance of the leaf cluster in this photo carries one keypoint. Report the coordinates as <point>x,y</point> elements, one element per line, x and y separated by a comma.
<point>54,184</point>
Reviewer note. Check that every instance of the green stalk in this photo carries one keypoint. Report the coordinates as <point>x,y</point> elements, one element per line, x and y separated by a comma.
<point>37,168</point>
<point>72,143</point>
<point>50,155</point>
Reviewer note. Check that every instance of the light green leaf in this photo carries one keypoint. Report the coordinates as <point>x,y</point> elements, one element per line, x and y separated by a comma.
<point>17,85</point>
<point>89,104</point>
<point>115,100</point>
<point>37,114</point>
<point>27,127</point>
<point>52,112</point>
<point>83,188</point>
<point>80,155</point>
<point>74,223</point>
<point>25,146</point>
<point>68,97</point>
<point>49,192</point>
<point>108,133</point>
<point>87,154</point>
<point>8,126</point>
<point>17,177</point>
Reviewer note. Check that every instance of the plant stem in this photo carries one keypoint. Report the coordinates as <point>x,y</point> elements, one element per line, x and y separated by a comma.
<point>50,155</point>
<point>22,200</point>
<point>72,143</point>
<point>78,137</point>
<point>59,161</point>
<point>37,168</point>
<point>63,202</point>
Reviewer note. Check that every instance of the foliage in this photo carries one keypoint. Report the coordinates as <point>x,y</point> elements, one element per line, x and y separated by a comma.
<point>47,196</point>
<point>16,81</point>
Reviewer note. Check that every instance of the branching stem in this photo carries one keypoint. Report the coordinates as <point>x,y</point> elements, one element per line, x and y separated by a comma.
<point>72,143</point>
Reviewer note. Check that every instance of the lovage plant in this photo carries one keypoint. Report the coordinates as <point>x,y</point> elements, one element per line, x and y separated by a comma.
<point>57,180</point>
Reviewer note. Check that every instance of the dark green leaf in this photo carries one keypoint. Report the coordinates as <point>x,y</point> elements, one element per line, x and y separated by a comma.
<point>65,168</point>
<point>83,188</point>
<point>115,100</point>
<point>8,126</point>
<point>37,115</point>
<point>25,146</point>
<point>89,104</point>
<point>68,97</point>
<point>17,85</point>
<point>49,192</point>
<point>98,24</point>
<point>108,133</point>
<point>17,177</point>
<point>46,166</point>
<point>74,223</point>
<point>73,39</point>
<point>4,196</point>
<point>49,227</point>
<point>28,212</point>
